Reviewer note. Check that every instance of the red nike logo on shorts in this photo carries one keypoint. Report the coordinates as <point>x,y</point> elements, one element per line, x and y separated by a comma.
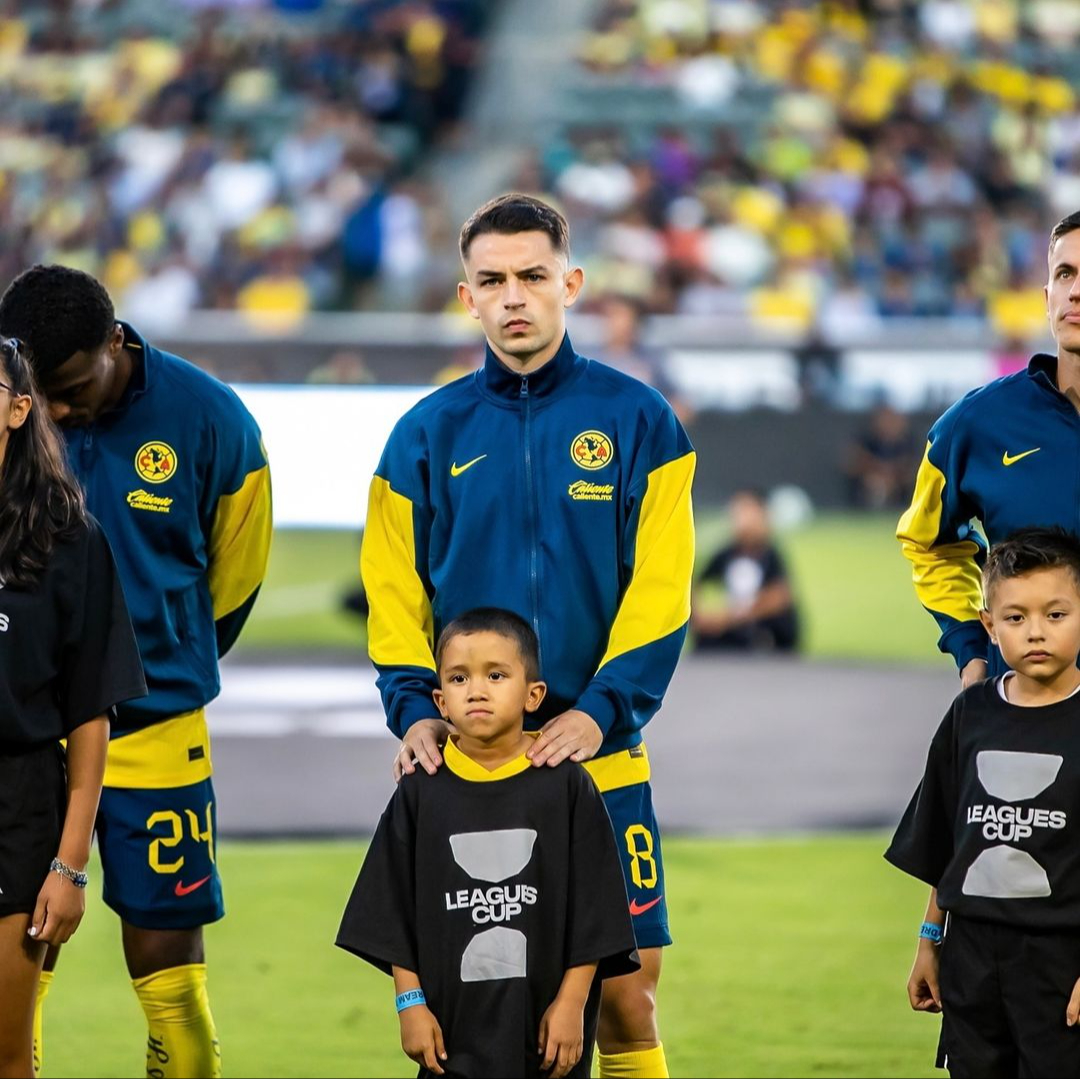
<point>637,908</point>
<point>182,891</point>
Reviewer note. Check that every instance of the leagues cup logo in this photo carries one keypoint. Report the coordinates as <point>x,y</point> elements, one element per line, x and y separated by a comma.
<point>155,462</point>
<point>1005,871</point>
<point>591,450</point>
<point>493,858</point>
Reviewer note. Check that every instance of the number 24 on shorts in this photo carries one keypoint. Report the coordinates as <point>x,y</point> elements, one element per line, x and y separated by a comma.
<point>176,826</point>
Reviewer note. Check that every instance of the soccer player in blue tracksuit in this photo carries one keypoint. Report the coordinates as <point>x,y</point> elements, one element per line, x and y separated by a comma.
<point>556,487</point>
<point>174,469</point>
<point>1007,455</point>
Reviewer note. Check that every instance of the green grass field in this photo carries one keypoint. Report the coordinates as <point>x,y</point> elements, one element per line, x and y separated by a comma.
<point>790,960</point>
<point>853,584</point>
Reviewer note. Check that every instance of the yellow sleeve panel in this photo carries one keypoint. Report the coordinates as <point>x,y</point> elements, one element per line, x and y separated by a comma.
<point>946,576</point>
<point>240,542</point>
<point>657,600</point>
<point>401,628</point>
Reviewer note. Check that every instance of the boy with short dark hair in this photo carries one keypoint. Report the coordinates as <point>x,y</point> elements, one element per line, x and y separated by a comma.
<point>992,829</point>
<point>492,890</point>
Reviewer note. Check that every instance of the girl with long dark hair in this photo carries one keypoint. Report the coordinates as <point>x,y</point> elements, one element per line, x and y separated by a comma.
<point>67,656</point>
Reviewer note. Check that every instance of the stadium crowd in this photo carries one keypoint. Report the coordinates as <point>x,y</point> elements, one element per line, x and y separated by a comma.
<point>247,155</point>
<point>827,163</point>
<point>899,159</point>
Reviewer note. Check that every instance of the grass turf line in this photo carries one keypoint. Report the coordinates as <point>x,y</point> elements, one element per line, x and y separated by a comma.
<point>790,959</point>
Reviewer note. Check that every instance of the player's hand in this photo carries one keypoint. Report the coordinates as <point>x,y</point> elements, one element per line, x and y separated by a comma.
<point>1072,1012</point>
<point>975,670</point>
<point>421,1037</point>
<point>922,987</point>
<point>58,911</point>
<point>562,1037</point>
<point>421,746</point>
<point>573,734</point>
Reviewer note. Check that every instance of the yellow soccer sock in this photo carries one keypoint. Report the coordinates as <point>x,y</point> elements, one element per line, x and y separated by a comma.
<point>44,981</point>
<point>181,1041</point>
<point>645,1064</point>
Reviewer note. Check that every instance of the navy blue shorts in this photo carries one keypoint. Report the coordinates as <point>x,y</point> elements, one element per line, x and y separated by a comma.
<point>637,836</point>
<point>159,855</point>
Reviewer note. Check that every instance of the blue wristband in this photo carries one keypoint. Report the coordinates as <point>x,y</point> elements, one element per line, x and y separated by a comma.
<point>409,998</point>
<point>928,930</point>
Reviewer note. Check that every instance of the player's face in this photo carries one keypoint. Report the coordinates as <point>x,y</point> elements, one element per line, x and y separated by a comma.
<point>1063,291</point>
<point>519,287</point>
<point>83,386</point>
<point>1035,620</point>
<point>485,690</point>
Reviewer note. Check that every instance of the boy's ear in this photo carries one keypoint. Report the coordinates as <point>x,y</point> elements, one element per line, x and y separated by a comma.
<point>988,623</point>
<point>440,701</point>
<point>537,692</point>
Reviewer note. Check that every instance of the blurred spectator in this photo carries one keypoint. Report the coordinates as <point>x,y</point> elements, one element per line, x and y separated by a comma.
<point>467,359</point>
<point>758,613</point>
<point>624,349</point>
<point>882,461</point>
<point>343,368</point>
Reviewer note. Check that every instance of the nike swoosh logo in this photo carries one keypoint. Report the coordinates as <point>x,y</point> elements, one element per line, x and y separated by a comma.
<point>637,908</point>
<point>1006,460</point>
<point>182,891</point>
<point>455,471</point>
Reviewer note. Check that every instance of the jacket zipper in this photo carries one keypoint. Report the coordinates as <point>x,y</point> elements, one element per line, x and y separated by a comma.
<point>85,458</point>
<point>534,574</point>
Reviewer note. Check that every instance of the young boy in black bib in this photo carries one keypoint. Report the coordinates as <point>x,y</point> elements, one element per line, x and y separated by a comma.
<point>492,890</point>
<point>993,830</point>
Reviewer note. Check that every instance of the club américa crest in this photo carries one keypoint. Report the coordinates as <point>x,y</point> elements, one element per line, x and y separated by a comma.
<point>155,462</point>
<point>592,450</point>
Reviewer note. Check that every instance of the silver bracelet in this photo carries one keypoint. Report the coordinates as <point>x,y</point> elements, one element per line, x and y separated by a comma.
<point>76,878</point>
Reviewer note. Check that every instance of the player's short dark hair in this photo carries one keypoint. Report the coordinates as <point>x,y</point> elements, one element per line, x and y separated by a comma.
<point>1066,225</point>
<point>494,620</point>
<point>1031,549</point>
<point>56,311</point>
<point>513,213</point>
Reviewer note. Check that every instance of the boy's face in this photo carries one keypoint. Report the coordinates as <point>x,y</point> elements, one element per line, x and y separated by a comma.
<point>1035,620</point>
<point>485,691</point>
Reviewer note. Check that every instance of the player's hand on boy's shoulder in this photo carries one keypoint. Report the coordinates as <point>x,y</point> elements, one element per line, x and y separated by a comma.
<point>573,734</point>
<point>1072,1012</point>
<point>975,670</point>
<point>421,746</point>
<point>421,1037</point>
<point>562,1037</point>
<point>922,987</point>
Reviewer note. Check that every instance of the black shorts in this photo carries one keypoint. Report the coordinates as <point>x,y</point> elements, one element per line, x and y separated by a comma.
<point>1004,992</point>
<point>33,797</point>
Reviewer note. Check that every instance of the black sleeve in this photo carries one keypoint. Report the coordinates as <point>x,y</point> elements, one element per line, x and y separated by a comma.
<point>379,923</point>
<point>100,665</point>
<point>923,843</point>
<point>599,927</point>
<point>717,565</point>
<point>773,568</point>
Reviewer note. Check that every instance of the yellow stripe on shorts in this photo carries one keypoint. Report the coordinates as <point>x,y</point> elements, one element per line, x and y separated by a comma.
<point>172,753</point>
<point>626,768</point>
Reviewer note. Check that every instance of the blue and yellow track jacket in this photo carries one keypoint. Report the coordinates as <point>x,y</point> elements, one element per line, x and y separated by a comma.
<point>1008,456</point>
<point>564,496</point>
<point>178,478</point>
